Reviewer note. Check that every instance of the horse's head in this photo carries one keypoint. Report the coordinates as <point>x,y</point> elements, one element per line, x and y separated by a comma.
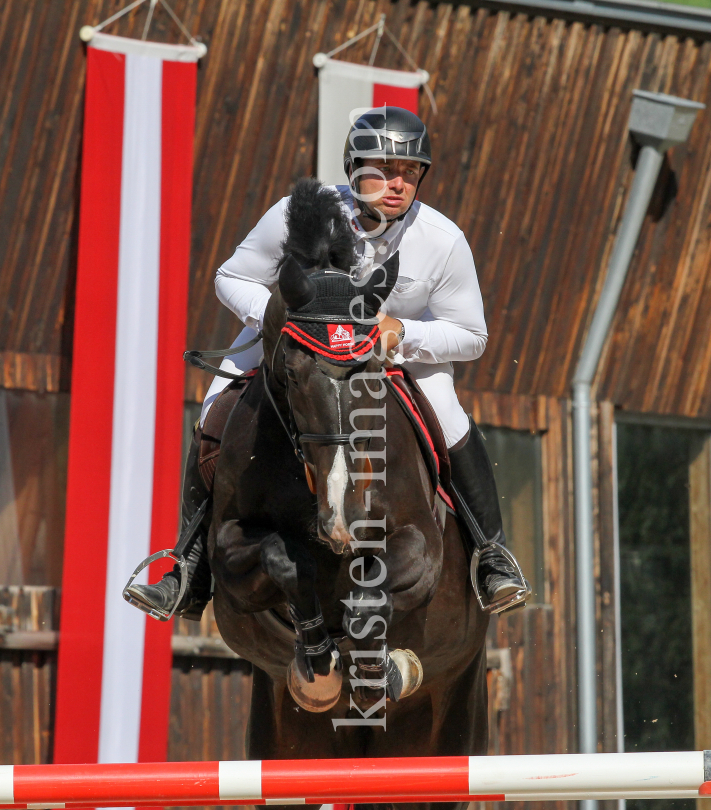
<point>335,383</point>
<point>332,366</point>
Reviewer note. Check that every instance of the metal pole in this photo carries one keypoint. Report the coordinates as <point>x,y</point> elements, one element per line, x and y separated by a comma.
<point>657,121</point>
<point>650,161</point>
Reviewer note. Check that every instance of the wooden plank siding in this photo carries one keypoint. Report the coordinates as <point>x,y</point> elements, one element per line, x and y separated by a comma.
<point>532,160</point>
<point>26,676</point>
<point>541,716</point>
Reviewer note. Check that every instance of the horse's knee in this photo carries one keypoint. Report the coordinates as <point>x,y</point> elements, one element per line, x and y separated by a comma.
<point>287,565</point>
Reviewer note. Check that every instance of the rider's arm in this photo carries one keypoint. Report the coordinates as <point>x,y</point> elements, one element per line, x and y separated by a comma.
<point>242,283</point>
<point>457,329</point>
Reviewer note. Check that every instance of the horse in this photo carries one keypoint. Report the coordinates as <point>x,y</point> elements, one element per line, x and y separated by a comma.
<point>332,575</point>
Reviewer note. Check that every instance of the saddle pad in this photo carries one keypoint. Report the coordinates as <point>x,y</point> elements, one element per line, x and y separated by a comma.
<point>215,421</point>
<point>427,428</point>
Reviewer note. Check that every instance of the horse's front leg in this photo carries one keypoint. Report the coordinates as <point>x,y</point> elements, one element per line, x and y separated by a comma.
<point>400,578</point>
<point>314,676</point>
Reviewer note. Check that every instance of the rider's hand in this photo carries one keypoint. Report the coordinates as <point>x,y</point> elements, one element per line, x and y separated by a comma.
<point>389,329</point>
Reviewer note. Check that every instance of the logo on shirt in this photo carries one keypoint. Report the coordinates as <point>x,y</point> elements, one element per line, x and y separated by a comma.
<point>340,335</point>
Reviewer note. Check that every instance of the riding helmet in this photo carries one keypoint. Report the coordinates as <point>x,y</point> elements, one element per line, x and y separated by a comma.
<point>387,132</point>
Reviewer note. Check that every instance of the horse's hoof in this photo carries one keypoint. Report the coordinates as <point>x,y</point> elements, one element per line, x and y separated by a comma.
<point>411,670</point>
<point>319,696</point>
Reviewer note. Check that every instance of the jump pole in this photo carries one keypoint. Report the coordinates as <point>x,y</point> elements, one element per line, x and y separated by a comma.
<point>548,777</point>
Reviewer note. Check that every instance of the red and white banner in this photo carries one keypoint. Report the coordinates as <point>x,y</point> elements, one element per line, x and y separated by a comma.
<point>347,90</point>
<point>113,681</point>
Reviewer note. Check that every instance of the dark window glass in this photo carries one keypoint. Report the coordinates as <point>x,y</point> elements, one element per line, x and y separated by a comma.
<point>34,434</point>
<point>516,458</point>
<point>653,498</point>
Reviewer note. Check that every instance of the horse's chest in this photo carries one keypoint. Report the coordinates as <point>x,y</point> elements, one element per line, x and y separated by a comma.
<point>276,493</point>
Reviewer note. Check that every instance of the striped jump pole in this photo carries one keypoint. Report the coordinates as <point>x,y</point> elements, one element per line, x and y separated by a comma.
<point>549,777</point>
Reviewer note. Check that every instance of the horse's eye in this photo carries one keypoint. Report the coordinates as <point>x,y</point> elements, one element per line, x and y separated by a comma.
<point>291,374</point>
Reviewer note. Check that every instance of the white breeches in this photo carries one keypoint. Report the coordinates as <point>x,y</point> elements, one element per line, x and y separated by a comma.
<point>435,379</point>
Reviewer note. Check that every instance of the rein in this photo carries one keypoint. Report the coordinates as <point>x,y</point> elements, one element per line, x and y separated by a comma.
<point>194,357</point>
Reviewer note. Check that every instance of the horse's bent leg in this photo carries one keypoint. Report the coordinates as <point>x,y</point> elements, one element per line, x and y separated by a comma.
<point>314,677</point>
<point>368,613</point>
<point>399,578</point>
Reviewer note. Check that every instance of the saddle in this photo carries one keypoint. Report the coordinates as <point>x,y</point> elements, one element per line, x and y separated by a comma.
<point>428,430</point>
<point>210,437</point>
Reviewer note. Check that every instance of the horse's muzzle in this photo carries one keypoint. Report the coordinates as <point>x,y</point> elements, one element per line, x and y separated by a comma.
<point>335,533</point>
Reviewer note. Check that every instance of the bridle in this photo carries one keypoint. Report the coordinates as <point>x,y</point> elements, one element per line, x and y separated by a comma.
<point>296,437</point>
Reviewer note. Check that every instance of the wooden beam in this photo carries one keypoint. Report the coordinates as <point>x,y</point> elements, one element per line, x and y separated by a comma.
<point>700,530</point>
<point>34,372</point>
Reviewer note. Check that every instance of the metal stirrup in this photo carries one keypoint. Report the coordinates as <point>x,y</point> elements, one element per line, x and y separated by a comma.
<point>177,554</point>
<point>521,595</point>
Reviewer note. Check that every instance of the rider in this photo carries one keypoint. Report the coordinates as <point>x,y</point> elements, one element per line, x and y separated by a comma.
<point>433,316</point>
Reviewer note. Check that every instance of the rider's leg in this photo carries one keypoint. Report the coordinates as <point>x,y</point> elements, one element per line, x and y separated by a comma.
<point>197,594</point>
<point>473,478</point>
<point>164,594</point>
<point>234,364</point>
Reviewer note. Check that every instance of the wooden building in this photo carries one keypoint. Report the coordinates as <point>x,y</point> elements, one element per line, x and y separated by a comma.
<point>533,162</point>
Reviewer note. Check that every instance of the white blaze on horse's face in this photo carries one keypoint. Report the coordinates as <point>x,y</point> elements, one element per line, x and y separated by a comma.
<point>337,527</point>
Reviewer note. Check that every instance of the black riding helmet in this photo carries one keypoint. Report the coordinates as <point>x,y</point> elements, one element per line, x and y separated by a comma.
<point>386,132</point>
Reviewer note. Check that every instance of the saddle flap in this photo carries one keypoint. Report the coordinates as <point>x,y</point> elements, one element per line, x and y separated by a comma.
<point>214,427</point>
<point>427,426</point>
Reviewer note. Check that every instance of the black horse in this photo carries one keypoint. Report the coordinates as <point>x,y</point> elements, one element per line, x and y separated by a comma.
<point>332,574</point>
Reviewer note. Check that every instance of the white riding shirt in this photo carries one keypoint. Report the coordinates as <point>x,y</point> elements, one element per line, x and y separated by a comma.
<point>436,297</point>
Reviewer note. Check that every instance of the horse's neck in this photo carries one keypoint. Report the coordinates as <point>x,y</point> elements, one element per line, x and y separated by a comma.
<point>274,320</point>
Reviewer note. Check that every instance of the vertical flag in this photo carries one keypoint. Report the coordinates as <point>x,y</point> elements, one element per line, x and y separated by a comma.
<point>345,90</point>
<point>113,680</point>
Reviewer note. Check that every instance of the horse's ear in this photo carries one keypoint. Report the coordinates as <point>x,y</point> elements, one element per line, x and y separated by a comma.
<point>381,282</point>
<point>296,288</point>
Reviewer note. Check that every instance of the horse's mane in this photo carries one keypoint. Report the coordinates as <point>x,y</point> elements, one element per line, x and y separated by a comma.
<point>319,234</point>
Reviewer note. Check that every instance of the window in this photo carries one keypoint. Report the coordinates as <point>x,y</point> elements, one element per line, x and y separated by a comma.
<point>663,500</point>
<point>516,458</point>
<point>34,434</point>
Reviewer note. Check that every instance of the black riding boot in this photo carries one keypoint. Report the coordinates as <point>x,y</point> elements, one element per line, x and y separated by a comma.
<point>163,595</point>
<point>474,484</point>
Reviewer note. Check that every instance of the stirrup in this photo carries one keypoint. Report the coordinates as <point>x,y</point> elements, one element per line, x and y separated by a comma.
<point>506,602</point>
<point>177,554</point>
<point>155,612</point>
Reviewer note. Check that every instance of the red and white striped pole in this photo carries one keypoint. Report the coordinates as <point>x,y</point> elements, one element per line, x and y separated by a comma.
<point>564,777</point>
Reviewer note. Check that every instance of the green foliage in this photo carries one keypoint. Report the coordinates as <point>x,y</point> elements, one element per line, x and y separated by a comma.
<point>699,3</point>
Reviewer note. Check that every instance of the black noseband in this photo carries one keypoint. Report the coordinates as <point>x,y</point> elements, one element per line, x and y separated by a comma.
<point>333,438</point>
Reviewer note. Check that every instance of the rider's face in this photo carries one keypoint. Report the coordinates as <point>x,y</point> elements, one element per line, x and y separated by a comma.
<point>391,185</point>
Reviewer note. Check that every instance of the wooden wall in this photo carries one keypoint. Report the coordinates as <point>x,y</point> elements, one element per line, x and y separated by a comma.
<point>28,639</point>
<point>532,160</point>
<point>534,164</point>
